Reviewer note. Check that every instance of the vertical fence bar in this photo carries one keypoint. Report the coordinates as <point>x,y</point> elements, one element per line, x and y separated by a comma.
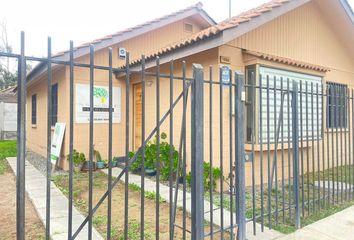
<point>345,123</point>
<point>349,145</point>
<point>253,88</point>
<point>289,141</point>
<point>171,141</point>
<point>261,148</point>
<point>158,153</point>
<point>269,198</point>
<point>323,143</point>
<point>295,140</point>
<point>221,119</point>
<point>313,149</point>
<point>275,163</point>
<point>318,147</point>
<point>142,193</point>
<point>352,100</point>
<point>184,132</point>
<point>126,173</point>
<point>240,158</point>
<point>211,151</point>
<point>91,147</point>
<point>197,147</point>
<point>49,135</point>
<point>110,129</point>
<point>307,149</point>
<point>231,159</point>
<point>302,153</point>
<point>341,118</point>
<point>71,141</point>
<point>21,143</point>
<point>336,97</point>
<point>332,97</point>
<point>328,155</point>
<point>282,149</point>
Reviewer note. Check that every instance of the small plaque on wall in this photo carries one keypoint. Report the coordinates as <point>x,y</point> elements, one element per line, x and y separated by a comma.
<point>224,59</point>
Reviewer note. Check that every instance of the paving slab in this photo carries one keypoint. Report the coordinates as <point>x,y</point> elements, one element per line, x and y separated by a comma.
<point>164,193</point>
<point>339,226</point>
<point>36,191</point>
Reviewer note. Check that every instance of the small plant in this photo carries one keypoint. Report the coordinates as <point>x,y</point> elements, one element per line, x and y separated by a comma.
<point>97,155</point>
<point>78,159</point>
<point>207,184</point>
<point>150,160</point>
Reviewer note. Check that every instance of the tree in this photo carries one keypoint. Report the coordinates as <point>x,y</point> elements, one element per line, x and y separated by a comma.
<point>7,77</point>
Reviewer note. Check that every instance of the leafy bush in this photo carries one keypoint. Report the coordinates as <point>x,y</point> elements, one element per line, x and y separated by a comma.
<point>78,158</point>
<point>150,158</point>
<point>207,184</point>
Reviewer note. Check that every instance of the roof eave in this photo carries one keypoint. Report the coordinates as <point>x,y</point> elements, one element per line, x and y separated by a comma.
<point>41,68</point>
<point>348,9</point>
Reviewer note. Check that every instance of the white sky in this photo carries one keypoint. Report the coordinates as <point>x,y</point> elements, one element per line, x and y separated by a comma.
<point>85,20</point>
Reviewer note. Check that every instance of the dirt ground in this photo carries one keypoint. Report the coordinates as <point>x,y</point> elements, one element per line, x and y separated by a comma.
<point>134,210</point>
<point>34,227</point>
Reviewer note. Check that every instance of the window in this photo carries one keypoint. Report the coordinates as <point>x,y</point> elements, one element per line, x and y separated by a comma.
<point>188,27</point>
<point>336,105</point>
<point>310,105</point>
<point>34,109</point>
<point>54,104</point>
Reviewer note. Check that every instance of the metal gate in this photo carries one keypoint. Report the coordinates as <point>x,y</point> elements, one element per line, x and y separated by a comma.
<point>193,86</point>
<point>204,115</point>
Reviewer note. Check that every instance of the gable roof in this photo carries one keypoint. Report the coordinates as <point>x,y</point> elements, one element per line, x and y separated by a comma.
<point>229,29</point>
<point>8,95</point>
<point>126,34</point>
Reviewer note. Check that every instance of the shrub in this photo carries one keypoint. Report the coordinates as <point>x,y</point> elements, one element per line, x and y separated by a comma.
<point>78,158</point>
<point>207,184</point>
<point>150,158</point>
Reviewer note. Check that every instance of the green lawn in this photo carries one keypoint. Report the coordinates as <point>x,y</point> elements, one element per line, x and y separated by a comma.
<point>7,149</point>
<point>311,213</point>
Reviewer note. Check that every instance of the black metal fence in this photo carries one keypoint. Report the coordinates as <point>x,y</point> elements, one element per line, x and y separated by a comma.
<point>293,160</point>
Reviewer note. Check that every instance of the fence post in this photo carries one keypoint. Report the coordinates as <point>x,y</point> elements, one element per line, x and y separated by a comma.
<point>197,155</point>
<point>21,143</point>
<point>2,116</point>
<point>240,157</point>
<point>295,140</point>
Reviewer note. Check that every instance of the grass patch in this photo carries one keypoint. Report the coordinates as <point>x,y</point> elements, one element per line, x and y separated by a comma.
<point>147,194</point>
<point>7,149</point>
<point>314,209</point>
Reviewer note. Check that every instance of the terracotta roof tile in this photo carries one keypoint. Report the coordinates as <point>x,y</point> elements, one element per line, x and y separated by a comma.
<point>288,61</point>
<point>214,30</point>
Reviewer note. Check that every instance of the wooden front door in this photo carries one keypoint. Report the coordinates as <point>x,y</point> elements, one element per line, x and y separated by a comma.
<point>137,115</point>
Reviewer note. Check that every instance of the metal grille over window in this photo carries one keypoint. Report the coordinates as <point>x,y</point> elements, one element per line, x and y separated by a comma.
<point>276,101</point>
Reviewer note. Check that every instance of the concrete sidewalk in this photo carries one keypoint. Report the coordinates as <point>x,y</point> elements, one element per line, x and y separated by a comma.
<point>36,191</point>
<point>339,226</point>
<point>164,193</point>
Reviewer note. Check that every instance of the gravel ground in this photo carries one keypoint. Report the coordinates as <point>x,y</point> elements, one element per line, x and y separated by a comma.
<point>40,163</point>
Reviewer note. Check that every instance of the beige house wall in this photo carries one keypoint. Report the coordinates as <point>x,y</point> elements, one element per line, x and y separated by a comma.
<point>302,34</point>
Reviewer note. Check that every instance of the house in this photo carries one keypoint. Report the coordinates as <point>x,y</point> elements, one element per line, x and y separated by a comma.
<point>311,40</point>
<point>8,114</point>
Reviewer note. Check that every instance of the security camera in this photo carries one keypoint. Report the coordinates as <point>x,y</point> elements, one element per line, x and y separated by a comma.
<point>122,53</point>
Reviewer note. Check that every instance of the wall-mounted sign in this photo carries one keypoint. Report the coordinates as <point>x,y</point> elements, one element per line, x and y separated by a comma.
<point>57,141</point>
<point>225,59</point>
<point>225,74</point>
<point>100,104</point>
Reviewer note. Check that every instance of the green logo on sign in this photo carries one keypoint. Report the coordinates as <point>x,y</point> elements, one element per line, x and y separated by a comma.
<point>100,93</point>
